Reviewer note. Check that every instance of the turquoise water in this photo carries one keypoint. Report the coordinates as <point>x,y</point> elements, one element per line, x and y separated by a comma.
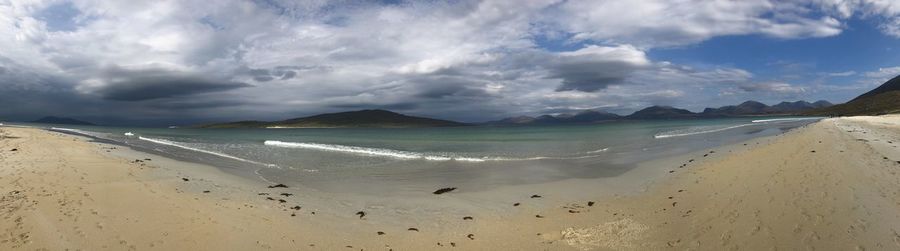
<point>395,160</point>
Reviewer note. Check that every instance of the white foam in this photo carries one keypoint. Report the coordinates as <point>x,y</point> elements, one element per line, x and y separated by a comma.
<point>397,154</point>
<point>69,130</point>
<point>349,149</point>
<point>170,143</point>
<point>695,131</point>
<point>129,134</point>
<point>784,119</point>
<point>599,150</point>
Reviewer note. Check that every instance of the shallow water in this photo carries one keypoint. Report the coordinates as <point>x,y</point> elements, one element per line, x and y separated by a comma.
<point>406,161</point>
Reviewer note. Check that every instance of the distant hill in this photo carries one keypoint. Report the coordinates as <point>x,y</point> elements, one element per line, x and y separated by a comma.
<point>882,100</point>
<point>756,108</point>
<point>363,118</point>
<point>748,108</point>
<point>662,112</point>
<point>584,117</point>
<point>61,121</point>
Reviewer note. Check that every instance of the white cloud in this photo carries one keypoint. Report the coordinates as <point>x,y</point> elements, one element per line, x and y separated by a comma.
<point>884,73</point>
<point>656,23</point>
<point>841,74</point>
<point>888,11</point>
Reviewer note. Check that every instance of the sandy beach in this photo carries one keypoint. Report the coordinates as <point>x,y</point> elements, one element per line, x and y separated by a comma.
<point>831,185</point>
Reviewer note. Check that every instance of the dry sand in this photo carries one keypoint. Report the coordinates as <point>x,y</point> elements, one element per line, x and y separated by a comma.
<point>832,185</point>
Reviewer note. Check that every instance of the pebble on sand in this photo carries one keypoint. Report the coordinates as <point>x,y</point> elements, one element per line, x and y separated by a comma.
<point>413,229</point>
<point>468,218</point>
<point>535,196</point>
<point>185,179</point>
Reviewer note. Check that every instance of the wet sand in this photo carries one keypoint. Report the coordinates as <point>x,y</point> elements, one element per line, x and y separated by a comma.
<point>832,185</point>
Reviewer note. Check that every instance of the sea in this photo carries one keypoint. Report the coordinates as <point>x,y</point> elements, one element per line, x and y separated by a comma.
<point>394,161</point>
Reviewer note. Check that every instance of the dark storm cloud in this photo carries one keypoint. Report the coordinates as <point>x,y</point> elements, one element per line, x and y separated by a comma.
<point>197,104</point>
<point>278,72</point>
<point>400,106</point>
<point>261,75</point>
<point>590,76</point>
<point>444,87</point>
<point>288,75</point>
<point>135,85</point>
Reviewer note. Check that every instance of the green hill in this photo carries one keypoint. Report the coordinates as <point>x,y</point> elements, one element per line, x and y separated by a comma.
<point>882,100</point>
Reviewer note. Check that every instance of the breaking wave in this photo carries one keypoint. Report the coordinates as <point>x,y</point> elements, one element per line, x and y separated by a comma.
<point>179,145</point>
<point>696,130</point>
<point>398,154</point>
<point>783,120</point>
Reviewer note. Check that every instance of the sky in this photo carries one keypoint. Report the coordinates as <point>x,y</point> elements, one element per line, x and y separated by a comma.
<point>181,62</point>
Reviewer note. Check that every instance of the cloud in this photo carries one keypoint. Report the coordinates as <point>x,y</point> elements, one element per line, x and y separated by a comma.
<point>661,23</point>
<point>772,87</point>
<point>883,73</point>
<point>886,13</point>
<point>841,74</point>
<point>144,84</point>
<point>441,58</point>
<point>594,68</point>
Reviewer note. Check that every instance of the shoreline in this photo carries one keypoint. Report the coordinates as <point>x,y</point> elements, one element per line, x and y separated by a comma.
<point>567,222</point>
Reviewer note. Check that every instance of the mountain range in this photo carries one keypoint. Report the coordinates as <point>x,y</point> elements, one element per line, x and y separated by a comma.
<point>749,108</point>
<point>362,118</point>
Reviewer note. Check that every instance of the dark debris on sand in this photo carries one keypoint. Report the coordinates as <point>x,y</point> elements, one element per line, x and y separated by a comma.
<point>535,196</point>
<point>444,190</point>
<point>468,218</point>
<point>279,185</point>
<point>185,179</point>
<point>361,214</point>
